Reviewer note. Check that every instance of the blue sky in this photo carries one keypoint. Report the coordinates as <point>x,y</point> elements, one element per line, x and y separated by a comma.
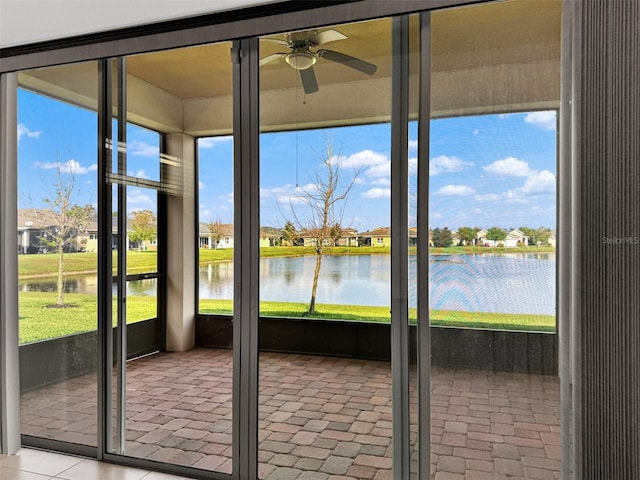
<point>484,170</point>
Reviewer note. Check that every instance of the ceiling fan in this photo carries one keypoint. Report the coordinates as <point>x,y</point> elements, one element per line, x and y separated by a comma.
<point>303,58</point>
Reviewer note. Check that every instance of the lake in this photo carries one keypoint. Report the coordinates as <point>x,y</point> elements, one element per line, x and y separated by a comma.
<point>510,283</point>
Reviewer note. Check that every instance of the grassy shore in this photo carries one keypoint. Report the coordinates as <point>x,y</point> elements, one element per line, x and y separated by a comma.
<point>38,321</point>
<point>449,318</point>
<point>45,265</point>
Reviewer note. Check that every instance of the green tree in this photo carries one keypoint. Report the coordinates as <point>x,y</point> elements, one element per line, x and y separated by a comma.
<point>530,233</point>
<point>496,234</point>
<point>61,223</point>
<point>537,236</point>
<point>442,237</point>
<point>468,234</point>
<point>542,235</point>
<point>290,234</point>
<point>143,227</point>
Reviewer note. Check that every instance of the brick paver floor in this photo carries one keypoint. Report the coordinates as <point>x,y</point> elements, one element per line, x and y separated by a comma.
<point>319,417</point>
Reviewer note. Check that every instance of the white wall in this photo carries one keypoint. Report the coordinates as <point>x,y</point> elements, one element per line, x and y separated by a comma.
<point>28,21</point>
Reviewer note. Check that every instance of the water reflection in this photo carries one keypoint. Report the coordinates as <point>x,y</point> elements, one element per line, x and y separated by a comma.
<point>523,283</point>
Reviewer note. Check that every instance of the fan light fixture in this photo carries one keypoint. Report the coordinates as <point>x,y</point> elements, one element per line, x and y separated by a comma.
<point>300,60</point>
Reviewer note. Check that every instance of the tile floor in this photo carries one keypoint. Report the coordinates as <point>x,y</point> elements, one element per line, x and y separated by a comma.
<point>30,464</point>
<point>319,417</point>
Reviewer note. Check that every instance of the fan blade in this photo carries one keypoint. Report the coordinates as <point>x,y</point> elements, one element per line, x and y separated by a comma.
<point>271,58</point>
<point>309,81</point>
<point>349,61</point>
<point>326,36</point>
<point>275,40</point>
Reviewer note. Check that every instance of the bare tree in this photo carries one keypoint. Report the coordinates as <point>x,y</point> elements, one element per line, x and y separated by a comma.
<point>216,231</point>
<point>61,223</point>
<point>323,204</point>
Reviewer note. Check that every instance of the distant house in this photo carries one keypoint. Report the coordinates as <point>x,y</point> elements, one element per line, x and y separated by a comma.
<point>88,238</point>
<point>348,238</point>
<point>413,236</point>
<point>481,239</point>
<point>35,226</point>
<point>455,238</point>
<point>381,237</point>
<point>222,238</point>
<point>378,237</point>
<point>515,238</point>
<point>309,238</point>
<point>270,237</point>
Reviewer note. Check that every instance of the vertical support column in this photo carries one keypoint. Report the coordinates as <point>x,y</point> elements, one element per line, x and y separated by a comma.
<point>568,253</point>
<point>9,341</point>
<point>105,260</point>
<point>400,247</point>
<point>123,237</point>
<point>605,163</point>
<point>423,322</point>
<point>181,236</point>
<point>246,303</point>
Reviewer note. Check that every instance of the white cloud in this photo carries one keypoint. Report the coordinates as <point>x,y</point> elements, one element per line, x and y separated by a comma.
<point>23,130</point>
<point>509,167</point>
<point>476,131</point>
<point>142,149</point>
<point>137,200</point>
<point>201,185</point>
<point>444,163</point>
<point>381,170</point>
<point>457,190</point>
<point>516,196</point>
<point>545,120</point>
<point>365,158</point>
<point>377,193</point>
<point>286,194</point>
<point>210,142</point>
<point>413,166</point>
<point>71,166</point>
<point>543,181</point>
<point>384,182</point>
<point>489,197</point>
<point>139,174</point>
<point>413,145</point>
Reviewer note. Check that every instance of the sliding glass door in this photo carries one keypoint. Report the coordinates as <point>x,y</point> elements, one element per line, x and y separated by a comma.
<point>57,255</point>
<point>315,253</point>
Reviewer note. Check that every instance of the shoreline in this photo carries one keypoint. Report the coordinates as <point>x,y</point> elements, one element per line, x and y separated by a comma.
<point>31,262</point>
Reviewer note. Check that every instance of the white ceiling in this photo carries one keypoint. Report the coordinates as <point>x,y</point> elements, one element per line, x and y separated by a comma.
<point>27,21</point>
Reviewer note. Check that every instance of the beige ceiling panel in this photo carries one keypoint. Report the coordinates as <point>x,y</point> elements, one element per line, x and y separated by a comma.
<point>496,89</point>
<point>208,116</point>
<point>152,107</point>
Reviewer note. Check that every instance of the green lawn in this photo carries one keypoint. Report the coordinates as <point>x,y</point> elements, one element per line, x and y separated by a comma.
<point>442,318</point>
<point>39,322</point>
